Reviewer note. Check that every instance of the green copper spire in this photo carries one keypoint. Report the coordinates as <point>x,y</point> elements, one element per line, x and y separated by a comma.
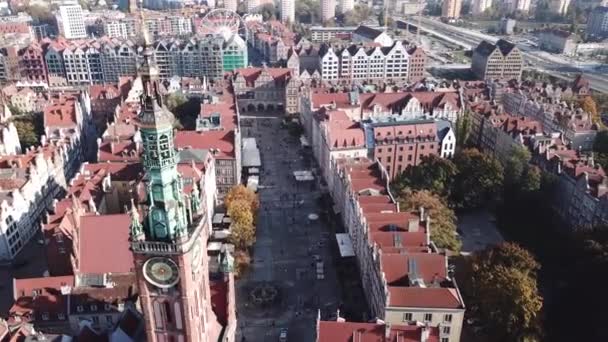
<point>166,216</point>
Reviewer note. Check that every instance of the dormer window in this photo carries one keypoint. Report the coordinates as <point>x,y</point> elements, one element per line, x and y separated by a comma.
<point>79,308</point>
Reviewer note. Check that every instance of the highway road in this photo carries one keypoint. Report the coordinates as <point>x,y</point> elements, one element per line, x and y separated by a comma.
<point>538,60</point>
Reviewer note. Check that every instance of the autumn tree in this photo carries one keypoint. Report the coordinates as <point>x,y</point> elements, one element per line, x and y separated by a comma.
<point>241,192</point>
<point>242,230</point>
<point>433,173</point>
<point>588,105</point>
<point>479,178</point>
<point>503,292</point>
<point>443,219</point>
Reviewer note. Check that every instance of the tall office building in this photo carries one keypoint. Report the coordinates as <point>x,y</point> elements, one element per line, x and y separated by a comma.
<point>288,11</point>
<point>480,6</point>
<point>231,5</point>
<point>559,6</point>
<point>451,9</point>
<point>597,24</point>
<point>71,21</point>
<point>346,5</point>
<point>516,5</point>
<point>328,10</point>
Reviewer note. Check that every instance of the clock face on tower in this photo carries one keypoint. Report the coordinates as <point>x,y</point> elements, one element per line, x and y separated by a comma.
<point>161,272</point>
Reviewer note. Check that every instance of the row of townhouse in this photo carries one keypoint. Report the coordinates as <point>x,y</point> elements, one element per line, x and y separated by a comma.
<point>580,197</point>
<point>405,280</point>
<point>356,62</point>
<point>397,129</point>
<point>59,62</point>
<point>553,112</point>
<point>32,179</point>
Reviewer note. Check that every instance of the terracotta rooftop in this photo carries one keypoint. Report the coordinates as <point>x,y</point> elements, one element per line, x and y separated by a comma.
<point>332,331</point>
<point>429,267</point>
<point>251,74</point>
<point>35,296</point>
<point>222,141</point>
<point>430,297</point>
<point>100,234</point>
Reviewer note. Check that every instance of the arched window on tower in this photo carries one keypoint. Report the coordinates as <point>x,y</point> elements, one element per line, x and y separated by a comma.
<point>168,314</point>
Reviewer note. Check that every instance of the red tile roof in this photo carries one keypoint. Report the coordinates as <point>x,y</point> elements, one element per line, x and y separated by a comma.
<point>418,297</point>
<point>35,296</point>
<point>430,267</point>
<point>223,141</point>
<point>373,332</point>
<point>60,112</point>
<point>251,74</point>
<point>104,244</point>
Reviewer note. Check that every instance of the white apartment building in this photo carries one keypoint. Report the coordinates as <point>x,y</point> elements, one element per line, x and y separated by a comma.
<point>328,10</point>
<point>359,63</point>
<point>329,63</point>
<point>115,28</point>
<point>76,66</point>
<point>231,5</point>
<point>480,6</point>
<point>70,20</point>
<point>288,9</point>
<point>23,203</point>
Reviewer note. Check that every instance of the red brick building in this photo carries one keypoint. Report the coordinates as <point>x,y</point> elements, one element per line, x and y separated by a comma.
<point>398,146</point>
<point>417,63</point>
<point>31,63</point>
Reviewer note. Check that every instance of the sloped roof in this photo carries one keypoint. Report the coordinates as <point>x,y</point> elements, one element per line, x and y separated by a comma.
<point>367,32</point>
<point>104,244</point>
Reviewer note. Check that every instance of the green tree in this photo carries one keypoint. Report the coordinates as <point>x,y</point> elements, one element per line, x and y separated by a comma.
<point>433,173</point>
<point>443,219</point>
<point>307,11</point>
<point>174,100</point>
<point>479,179</point>
<point>503,292</point>
<point>27,133</point>
<point>242,230</point>
<point>357,16</point>
<point>600,148</point>
<point>267,11</point>
<point>463,129</point>
<point>41,14</point>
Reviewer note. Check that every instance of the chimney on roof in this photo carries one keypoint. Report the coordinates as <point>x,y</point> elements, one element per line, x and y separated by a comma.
<point>413,224</point>
<point>422,213</point>
<point>428,229</point>
<point>387,330</point>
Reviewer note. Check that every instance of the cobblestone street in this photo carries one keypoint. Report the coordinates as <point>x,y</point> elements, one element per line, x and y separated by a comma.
<point>288,244</point>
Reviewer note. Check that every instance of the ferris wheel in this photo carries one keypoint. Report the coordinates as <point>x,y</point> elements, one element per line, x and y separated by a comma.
<point>223,22</point>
